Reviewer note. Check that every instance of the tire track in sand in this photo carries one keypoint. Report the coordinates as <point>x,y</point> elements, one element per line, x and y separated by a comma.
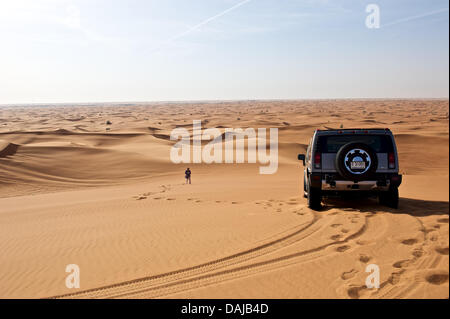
<point>208,273</point>
<point>296,235</point>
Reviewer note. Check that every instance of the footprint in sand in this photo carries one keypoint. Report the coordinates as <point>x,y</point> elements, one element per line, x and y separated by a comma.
<point>165,188</point>
<point>336,225</point>
<point>336,237</point>
<point>342,248</point>
<point>345,231</point>
<point>437,278</point>
<point>410,241</point>
<point>434,236</point>
<point>353,292</point>
<point>394,278</point>
<point>419,252</point>
<point>428,230</point>
<point>346,275</point>
<point>364,258</point>
<point>402,264</point>
<point>170,198</point>
<point>442,250</point>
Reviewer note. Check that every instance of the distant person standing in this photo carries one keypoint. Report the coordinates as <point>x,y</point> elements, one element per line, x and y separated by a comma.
<point>187,174</point>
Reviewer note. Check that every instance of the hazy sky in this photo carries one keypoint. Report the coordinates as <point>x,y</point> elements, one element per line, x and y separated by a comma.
<point>146,50</point>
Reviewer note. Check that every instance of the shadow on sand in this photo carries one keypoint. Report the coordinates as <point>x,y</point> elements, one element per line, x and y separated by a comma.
<point>413,207</point>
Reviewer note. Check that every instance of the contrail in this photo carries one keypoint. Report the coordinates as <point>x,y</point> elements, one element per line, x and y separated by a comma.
<point>199,25</point>
<point>414,17</point>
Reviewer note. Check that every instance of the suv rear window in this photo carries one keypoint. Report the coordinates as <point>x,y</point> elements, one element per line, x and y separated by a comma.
<point>332,143</point>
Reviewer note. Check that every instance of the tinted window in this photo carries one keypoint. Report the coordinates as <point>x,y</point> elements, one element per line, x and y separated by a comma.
<point>332,143</point>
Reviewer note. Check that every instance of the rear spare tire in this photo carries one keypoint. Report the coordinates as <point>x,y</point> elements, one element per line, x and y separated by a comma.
<point>356,161</point>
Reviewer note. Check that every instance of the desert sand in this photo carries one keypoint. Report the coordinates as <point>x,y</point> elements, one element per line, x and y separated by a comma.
<point>75,190</point>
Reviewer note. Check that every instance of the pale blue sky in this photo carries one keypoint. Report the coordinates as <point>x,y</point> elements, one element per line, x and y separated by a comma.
<point>147,50</point>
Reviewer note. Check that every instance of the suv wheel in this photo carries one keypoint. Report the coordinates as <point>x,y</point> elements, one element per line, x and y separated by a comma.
<point>389,198</point>
<point>305,189</point>
<point>314,197</point>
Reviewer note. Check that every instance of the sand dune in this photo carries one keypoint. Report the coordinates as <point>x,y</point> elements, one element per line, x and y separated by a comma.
<point>76,190</point>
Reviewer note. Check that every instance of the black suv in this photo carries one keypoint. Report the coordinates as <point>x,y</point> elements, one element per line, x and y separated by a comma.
<point>351,160</point>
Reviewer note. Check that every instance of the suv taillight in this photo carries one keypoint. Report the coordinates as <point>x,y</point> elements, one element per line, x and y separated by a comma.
<point>391,160</point>
<point>317,160</point>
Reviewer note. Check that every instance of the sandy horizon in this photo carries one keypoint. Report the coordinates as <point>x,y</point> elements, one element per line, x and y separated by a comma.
<point>76,190</point>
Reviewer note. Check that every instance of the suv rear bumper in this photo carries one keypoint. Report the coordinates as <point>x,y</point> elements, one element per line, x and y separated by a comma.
<point>334,182</point>
<point>354,186</point>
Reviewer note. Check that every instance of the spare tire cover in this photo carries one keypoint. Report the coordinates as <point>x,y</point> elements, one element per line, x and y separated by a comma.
<point>356,161</point>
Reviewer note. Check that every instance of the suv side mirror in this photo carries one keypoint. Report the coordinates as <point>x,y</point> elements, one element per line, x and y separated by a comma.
<point>301,157</point>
